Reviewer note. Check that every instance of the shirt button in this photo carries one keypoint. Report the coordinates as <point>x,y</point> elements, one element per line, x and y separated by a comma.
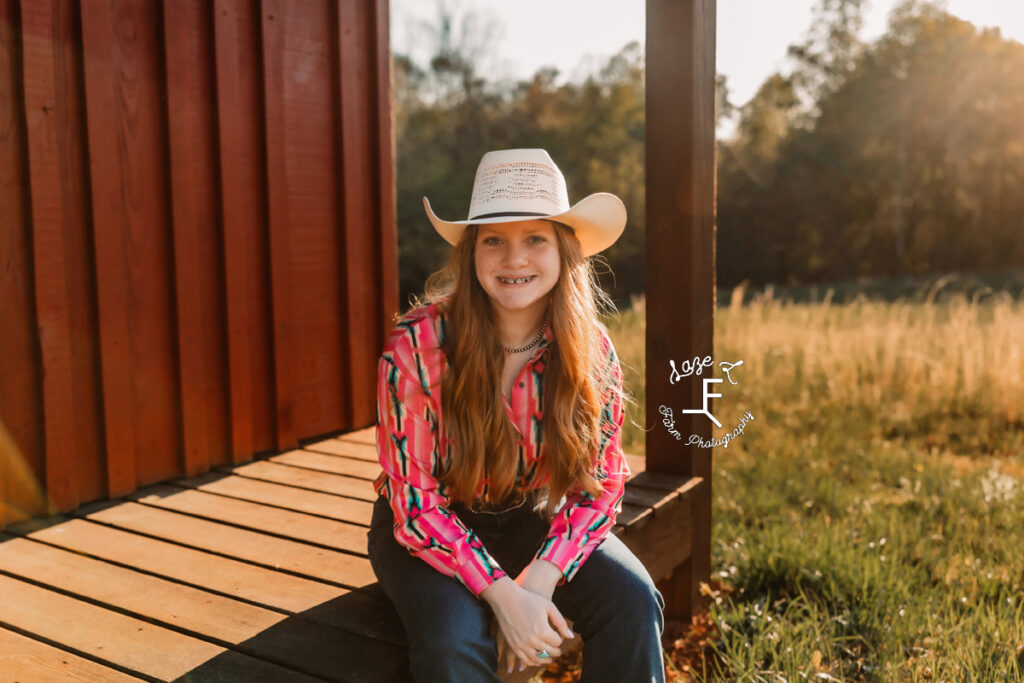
<point>521,385</point>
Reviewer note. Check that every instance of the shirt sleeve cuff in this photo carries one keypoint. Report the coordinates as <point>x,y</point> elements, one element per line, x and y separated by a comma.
<point>466,559</point>
<point>564,554</point>
<point>478,583</point>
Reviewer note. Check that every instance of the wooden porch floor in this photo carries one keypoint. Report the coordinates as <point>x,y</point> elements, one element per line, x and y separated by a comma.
<point>256,572</point>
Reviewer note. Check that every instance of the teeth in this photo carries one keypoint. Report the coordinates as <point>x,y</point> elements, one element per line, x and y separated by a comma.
<point>516,282</point>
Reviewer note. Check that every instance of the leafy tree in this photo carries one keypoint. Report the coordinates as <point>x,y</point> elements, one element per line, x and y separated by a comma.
<point>909,162</point>
<point>902,156</point>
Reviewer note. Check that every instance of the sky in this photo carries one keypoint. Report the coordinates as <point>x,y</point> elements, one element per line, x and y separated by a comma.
<point>576,35</point>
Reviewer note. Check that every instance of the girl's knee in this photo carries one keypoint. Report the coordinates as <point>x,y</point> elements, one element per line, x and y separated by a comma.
<point>641,605</point>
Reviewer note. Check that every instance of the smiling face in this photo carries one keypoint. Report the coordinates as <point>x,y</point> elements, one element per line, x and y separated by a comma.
<point>517,264</point>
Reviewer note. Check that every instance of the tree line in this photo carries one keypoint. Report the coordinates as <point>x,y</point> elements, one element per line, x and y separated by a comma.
<point>900,156</point>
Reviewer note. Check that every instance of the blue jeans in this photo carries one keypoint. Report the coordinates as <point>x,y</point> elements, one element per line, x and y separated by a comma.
<point>611,600</point>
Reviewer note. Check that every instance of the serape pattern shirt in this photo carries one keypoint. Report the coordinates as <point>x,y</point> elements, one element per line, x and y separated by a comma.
<point>414,449</point>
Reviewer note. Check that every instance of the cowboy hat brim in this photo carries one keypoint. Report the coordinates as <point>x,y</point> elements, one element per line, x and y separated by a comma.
<point>598,220</point>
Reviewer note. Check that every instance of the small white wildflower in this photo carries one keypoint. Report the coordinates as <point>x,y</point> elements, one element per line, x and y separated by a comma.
<point>998,487</point>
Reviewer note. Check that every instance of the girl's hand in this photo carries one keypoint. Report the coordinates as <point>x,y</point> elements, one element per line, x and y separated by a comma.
<point>506,658</point>
<point>524,627</point>
<point>539,577</point>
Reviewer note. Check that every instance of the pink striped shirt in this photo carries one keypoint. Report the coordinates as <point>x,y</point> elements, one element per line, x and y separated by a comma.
<point>410,443</point>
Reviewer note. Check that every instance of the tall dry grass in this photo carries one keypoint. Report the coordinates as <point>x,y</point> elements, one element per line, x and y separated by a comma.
<point>949,372</point>
<point>867,524</point>
<point>938,365</point>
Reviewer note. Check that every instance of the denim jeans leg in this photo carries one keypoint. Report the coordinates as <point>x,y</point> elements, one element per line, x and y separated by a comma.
<point>611,601</point>
<point>446,625</point>
<point>618,612</point>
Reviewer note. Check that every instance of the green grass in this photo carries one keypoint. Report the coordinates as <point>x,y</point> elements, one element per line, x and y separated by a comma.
<point>869,524</point>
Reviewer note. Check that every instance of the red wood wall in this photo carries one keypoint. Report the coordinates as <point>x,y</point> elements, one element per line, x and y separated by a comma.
<point>197,240</point>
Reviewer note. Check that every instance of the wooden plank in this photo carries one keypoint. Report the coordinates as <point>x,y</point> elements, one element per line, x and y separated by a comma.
<point>123,641</point>
<point>366,611</point>
<point>268,551</point>
<point>80,276</point>
<point>109,247</point>
<point>664,482</point>
<point>685,495</point>
<point>310,104</point>
<point>366,436</point>
<point>147,596</point>
<point>193,567</point>
<point>192,209</point>
<point>25,659</point>
<point>663,541</point>
<point>350,467</point>
<point>276,192</point>
<point>387,300</point>
<point>127,151</point>
<point>680,197</point>
<point>22,433</point>
<point>20,493</point>
<point>102,633</point>
<point>48,250</point>
<point>295,525</point>
<point>359,154</point>
<point>142,224</point>
<point>649,498</point>
<point>282,496</point>
<point>243,223</point>
<point>308,479</point>
<point>296,643</point>
<point>351,449</point>
<point>632,513</point>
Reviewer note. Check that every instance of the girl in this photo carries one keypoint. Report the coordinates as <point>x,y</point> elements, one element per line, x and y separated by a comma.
<point>499,413</point>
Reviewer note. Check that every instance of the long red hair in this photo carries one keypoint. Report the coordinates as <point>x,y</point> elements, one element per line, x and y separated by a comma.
<point>484,440</point>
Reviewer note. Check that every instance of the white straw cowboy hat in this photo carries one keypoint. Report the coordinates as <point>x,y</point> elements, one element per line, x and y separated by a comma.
<point>522,184</point>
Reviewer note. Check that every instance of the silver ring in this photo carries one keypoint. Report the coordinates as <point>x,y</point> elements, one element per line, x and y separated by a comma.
<point>543,654</point>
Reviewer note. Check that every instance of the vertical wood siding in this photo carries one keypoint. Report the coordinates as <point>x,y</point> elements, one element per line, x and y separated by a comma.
<point>197,240</point>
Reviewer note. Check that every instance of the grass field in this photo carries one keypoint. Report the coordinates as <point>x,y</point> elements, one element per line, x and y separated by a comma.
<point>869,524</point>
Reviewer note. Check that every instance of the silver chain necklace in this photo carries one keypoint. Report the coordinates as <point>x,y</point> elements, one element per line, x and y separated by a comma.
<point>536,340</point>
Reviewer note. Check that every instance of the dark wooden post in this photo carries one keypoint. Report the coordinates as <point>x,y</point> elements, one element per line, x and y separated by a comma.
<point>681,258</point>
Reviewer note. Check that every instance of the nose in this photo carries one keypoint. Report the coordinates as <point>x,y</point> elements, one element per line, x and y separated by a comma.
<point>515,255</point>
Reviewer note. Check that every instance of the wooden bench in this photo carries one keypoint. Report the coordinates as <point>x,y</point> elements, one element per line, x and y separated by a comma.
<point>252,572</point>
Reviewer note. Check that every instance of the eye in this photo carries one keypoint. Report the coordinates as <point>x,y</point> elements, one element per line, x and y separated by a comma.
<point>491,241</point>
<point>537,239</point>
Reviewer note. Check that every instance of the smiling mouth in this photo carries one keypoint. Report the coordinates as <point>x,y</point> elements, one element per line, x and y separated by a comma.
<point>517,281</point>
